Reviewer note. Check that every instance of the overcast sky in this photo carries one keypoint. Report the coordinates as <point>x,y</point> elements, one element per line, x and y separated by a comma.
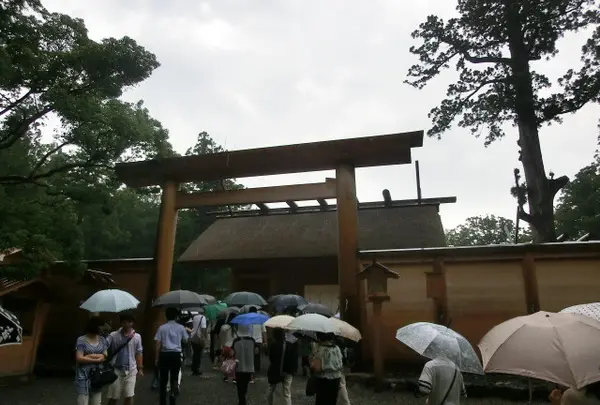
<point>275,72</point>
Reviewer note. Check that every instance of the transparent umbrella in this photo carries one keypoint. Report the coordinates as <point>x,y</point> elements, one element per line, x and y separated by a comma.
<point>431,340</point>
<point>591,310</point>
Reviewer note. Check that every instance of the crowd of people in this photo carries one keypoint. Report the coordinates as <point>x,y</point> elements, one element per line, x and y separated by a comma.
<point>116,358</point>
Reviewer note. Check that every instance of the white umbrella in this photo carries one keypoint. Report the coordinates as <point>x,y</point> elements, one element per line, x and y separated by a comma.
<point>561,348</point>
<point>312,323</point>
<point>110,301</point>
<point>432,340</point>
<point>279,321</point>
<point>592,310</point>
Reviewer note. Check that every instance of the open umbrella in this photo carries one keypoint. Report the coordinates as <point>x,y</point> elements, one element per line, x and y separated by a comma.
<point>224,313</point>
<point>560,348</point>
<point>312,323</point>
<point>592,310</point>
<point>316,308</point>
<point>11,332</point>
<point>345,330</point>
<point>431,340</point>
<point>180,299</point>
<point>286,301</point>
<point>110,301</point>
<point>252,318</point>
<point>212,310</point>
<point>279,321</point>
<point>239,299</point>
<point>210,300</point>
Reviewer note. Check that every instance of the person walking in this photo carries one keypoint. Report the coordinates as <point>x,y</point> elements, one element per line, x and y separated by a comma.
<point>126,347</point>
<point>198,340</point>
<point>327,366</point>
<point>170,338</point>
<point>91,350</point>
<point>442,382</point>
<point>243,347</point>
<point>283,359</point>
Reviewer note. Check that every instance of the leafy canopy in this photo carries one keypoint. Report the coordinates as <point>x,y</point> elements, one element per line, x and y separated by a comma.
<point>486,230</point>
<point>481,44</point>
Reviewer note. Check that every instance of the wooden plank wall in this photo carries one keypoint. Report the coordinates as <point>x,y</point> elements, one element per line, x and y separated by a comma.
<point>475,295</point>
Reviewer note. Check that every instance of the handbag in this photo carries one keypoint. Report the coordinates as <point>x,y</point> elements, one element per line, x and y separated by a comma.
<point>311,386</point>
<point>104,374</point>
<point>197,336</point>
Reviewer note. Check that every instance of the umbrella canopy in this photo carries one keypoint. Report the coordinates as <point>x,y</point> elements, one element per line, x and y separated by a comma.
<point>345,330</point>
<point>431,340</point>
<point>239,299</point>
<point>279,321</point>
<point>246,308</point>
<point>312,323</point>
<point>273,298</point>
<point>110,301</point>
<point>224,313</point>
<point>316,308</point>
<point>180,299</point>
<point>210,300</point>
<point>592,310</point>
<point>251,318</point>
<point>286,301</point>
<point>212,310</point>
<point>561,348</point>
<point>11,332</point>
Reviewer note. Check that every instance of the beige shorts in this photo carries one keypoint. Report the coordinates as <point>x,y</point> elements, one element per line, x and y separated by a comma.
<point>123,387</point>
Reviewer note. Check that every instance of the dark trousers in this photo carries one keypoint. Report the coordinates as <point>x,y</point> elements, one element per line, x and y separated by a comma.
<point>257,356</point>
<point>198,350</point>
<point>169,365</point>
<point>327,391</point>
<point>242,381</point>
<point>213,349</point>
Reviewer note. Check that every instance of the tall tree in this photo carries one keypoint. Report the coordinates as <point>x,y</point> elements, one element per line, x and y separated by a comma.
<point>493,44</point>
<point>578,210</point>
<point>62,129</point>
<point>486,230</point>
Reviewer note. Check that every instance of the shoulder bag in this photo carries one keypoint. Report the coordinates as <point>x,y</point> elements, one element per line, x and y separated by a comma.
<point>450,387</point>
<point>104,374</point>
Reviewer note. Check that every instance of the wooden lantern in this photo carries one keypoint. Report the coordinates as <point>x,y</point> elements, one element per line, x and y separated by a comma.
<point>377,276</point>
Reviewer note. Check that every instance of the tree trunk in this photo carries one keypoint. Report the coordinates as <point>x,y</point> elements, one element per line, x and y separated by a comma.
<point>540,190</point>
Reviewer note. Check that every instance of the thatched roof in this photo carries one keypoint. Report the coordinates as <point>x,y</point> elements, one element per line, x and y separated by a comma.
<point>315,234</point>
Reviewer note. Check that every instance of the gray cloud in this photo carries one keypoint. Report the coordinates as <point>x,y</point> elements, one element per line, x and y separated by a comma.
<point>275,72</point>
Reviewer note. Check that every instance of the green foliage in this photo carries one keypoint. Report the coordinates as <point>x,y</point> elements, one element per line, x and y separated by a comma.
<point>578,210</point>
<point>487,230</point>
<point>492,45</point>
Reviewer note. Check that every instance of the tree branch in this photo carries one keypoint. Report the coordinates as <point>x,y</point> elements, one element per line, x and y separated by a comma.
<point>15,103</point>
<point>16,134</point>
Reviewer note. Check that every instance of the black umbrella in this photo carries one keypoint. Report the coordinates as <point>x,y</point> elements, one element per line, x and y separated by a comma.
<point>287,301</point>
<point>11,332</point>
<point>273,298</point>
<point>316,308</point>
<point>180,299</point>
<point>239,299</point>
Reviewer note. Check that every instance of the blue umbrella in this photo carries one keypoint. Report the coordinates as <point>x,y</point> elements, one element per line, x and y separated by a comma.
<point>252,318</point>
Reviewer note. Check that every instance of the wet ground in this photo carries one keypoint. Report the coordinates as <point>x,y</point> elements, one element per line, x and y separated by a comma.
<point>206,389</point>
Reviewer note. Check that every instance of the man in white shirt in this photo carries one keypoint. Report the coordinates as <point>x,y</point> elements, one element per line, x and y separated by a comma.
<point>198,338</point>
<point>442,382</point>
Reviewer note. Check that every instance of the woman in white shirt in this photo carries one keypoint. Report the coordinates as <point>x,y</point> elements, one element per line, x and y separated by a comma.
<point>226,333</point>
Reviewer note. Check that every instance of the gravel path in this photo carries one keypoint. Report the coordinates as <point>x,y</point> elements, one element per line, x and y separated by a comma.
<point>206,389</point>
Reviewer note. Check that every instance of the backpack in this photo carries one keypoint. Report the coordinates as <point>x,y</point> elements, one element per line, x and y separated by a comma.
<point>197,335</point>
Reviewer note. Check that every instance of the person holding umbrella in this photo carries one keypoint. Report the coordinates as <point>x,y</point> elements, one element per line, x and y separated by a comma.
<point>442,382</point>
<point>169,339</point>
<point>589,395</point>
<point>283,359</point>
<point>327,366</point>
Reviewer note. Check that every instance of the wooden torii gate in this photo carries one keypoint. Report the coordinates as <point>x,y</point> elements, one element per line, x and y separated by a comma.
<point>343,156</point>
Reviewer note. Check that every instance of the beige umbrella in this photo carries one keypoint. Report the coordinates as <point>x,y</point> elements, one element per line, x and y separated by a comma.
<point>279,321</point>
<point>561,348</point>
<point>345,330</point>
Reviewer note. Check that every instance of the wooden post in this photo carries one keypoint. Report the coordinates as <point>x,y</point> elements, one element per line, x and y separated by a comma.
<point>347,216</point>
<point>377,355</point>
<point>166,238</point>
<point>165,242</point>
<point>532,297</point>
